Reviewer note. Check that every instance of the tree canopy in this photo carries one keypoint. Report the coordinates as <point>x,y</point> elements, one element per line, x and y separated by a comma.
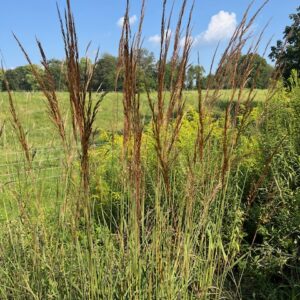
<point>286,53</point>
<point>106,72</point>
<point>261,71</point>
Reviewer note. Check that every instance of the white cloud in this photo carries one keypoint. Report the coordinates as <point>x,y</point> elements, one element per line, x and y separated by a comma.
<point>132,20</point>
<point>221,27</point>
<point>155,39</point>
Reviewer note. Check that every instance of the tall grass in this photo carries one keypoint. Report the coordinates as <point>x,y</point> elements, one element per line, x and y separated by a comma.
<point>167,224</point>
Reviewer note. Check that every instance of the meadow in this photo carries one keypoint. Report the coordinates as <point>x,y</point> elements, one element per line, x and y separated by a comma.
<point>44,141</point>
<point>158,193</point>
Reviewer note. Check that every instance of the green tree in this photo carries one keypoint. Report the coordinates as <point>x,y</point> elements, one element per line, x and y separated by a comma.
<point>58,71</point>
<point>193,74</point>
<point>261,70</point>
<point>147,70</point>
<point>85,65</point>
<point>31,79</point>
<point>1,80</point>
<point>208,80</point>
<point>252,65</point>
<point>20,78</point>
<point>105,73</point>
<point>287,53</point>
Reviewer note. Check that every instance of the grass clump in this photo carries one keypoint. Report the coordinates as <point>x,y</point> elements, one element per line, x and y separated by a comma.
<point>174,204</point>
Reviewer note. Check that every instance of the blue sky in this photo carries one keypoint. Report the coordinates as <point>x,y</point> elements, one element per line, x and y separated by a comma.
<point>97,21</point>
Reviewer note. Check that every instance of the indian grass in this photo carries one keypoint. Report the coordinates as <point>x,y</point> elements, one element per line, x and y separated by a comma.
<point>174,232</point>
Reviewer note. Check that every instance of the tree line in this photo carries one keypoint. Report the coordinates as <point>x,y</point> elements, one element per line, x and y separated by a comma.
<point>286,52</point>
<point>107,73</point>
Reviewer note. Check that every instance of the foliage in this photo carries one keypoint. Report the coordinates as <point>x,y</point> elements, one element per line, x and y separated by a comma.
<point>105,73</point>
<point>261,72</point>
<point>273,223</point>
<point>20,78</point>
<point>58,71</point>
<point>194,73</point>
<point>286,53</point>
<point>147,70</point>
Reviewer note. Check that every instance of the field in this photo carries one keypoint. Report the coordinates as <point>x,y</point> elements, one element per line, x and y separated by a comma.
<point>45,144</point>
<point>180,186</point>
<point>42,191</point>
